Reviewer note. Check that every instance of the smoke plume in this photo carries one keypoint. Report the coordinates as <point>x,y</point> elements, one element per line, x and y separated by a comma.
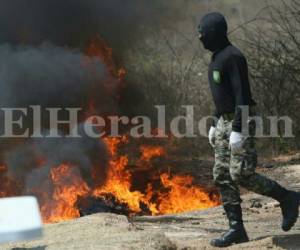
<point>42,62</point>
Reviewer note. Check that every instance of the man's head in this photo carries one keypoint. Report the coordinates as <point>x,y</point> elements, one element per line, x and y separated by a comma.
<point>213,31</point>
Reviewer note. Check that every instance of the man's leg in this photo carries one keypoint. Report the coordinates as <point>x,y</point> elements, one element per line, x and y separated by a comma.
<point>229,190</point>
<point>242,171</point>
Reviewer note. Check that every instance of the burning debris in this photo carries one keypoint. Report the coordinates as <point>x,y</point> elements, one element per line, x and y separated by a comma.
<point>64,193</point>
<point>73,177</point>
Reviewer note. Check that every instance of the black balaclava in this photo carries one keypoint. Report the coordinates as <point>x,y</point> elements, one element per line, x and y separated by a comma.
<point>213,32</point>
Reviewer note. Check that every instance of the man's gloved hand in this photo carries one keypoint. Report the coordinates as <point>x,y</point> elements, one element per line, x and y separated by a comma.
<point>212,136</point>
<point>236,141</point>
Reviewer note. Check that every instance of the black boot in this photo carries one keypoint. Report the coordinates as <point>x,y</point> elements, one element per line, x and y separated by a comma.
<point>289,203</point>
<point>236,233</point>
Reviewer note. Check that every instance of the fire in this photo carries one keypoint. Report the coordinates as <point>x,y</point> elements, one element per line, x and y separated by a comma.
<point>183,196</point>
<point>112,143</point>
<point>68,185</point>
<point>114,81</point>
<point>179,193</point>
<point>8,186</point>
<point>119,184</point>
<point>99,48</point>
<point>148,152</point>
<point>119,179</point>
<point>160,192</point>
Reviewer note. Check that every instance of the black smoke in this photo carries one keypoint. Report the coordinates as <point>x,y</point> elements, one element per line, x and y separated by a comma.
<point>42,62</point>
<point>74,22</point>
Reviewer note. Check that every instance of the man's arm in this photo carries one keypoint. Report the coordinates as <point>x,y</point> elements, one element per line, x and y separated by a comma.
<point>238,74</point>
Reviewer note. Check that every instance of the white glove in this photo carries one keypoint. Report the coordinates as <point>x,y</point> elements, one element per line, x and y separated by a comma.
<point>212,136</point>
<point>236,141</point>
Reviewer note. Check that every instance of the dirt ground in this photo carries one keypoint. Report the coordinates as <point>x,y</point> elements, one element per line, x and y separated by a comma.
<point>192,230</point>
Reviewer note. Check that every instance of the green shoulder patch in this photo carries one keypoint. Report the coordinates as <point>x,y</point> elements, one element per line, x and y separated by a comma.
<point>217,76</point>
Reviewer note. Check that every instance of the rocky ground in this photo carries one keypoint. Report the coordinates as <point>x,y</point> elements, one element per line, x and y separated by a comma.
<point>184,231</point>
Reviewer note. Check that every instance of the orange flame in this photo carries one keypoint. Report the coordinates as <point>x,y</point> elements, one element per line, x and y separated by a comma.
<point>149,152</point>
<point>119,179</point>
<point>183,196</point>
<point>68,185</point>
<point>163,193</point>
<point>177,193</point>
<point>99,48</point>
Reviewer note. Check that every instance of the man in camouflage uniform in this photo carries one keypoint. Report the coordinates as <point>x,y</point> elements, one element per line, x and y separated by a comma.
<point>233,141</point>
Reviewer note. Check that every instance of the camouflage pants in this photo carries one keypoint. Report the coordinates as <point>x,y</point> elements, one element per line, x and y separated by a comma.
<point>238,168</point>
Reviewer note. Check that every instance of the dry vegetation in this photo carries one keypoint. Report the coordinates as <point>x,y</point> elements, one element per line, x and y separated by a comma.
<point>169,66</point>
